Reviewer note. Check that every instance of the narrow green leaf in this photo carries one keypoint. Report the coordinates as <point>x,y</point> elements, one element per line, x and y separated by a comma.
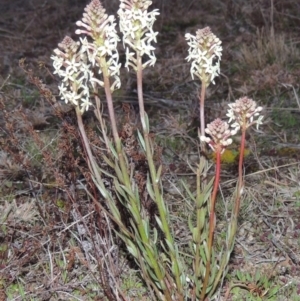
<point>257,276</point>
<point>101,188</point>
<point>129,192</point>
<point>132,248</point>
<point>159,222</point>
<point>106,173</point>
<point>273,291</point>
<point>150,189</point>
<point>158,173</point>
<point>113,150</point>
<point>141,139</point>
<point>203,255</point>
<point>114,210</point>
<point>119,173</point>
<point>147,123</point>
<point>154,277</point>
<point>201,219</point>
<point>206,249</point>
<point>146,227</point>
<point>170,246</point>
<point>178,257</point>
<point>108,162</point>
<point>137,196</point>
<point>196,235</point>
<point>155,235</point>
<point>248,277</point>
<point>188,191</point>
<point>134,212</point>
<point>190,223</point>
<point>175,269</point>
<point>119,189</point>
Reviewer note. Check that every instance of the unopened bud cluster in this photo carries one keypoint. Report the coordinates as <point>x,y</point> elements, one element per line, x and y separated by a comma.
<point>243,112</point>
<point>220,134</point>
<point>205,53</point>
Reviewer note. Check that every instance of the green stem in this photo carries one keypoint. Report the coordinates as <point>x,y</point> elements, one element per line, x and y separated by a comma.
<point>199,226</point>
<point>198,238</point>
<point>91,161</point>
<point>112,118</point>
<point>110,106</point>
<point>155,183</point>
<point>139,74</point>
<point>212,222</point>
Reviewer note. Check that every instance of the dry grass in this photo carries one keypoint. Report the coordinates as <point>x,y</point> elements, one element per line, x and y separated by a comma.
<point>52,242</point>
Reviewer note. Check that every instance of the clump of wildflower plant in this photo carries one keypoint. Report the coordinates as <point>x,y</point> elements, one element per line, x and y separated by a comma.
<point>75,73</point>
<point>136,25</point>
<point>102,50</point>
<point>220,137</point>
<point>94,62</point>
<point>243,113</point>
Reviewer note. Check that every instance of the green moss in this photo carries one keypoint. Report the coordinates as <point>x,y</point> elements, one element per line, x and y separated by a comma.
<point>171,142</point>
<point>285,119</point>
<point>29,99</point>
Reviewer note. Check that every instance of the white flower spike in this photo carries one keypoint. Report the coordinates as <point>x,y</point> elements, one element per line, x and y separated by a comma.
<point>136,25</point>
<point>205,53</point>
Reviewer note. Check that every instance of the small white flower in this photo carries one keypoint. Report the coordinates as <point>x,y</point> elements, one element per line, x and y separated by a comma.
<point>95,80</point>
<point>73,97</point>
<point>67,76</point>
<point>151,36</point>
<point>114,69</point>
<point>85,104</point>
<point>85,69</point>
<point>62,90</point>
<point>57,63</point>
<point>205,139</point>
<point>72,65</point>
<point>259,122</point>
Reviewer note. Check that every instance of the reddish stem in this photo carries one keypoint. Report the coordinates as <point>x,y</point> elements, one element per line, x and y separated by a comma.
<point>139,73</point>
<point>212,221</point>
